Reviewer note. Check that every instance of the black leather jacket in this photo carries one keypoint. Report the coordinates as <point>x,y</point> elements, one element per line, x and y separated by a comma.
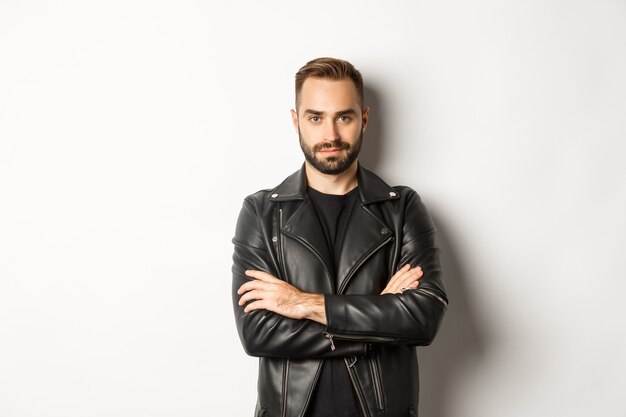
<point>278,231</point>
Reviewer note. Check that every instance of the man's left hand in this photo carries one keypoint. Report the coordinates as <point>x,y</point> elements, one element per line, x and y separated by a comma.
<point>266,292</point>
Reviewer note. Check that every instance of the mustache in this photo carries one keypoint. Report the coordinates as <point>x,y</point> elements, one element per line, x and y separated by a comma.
<point>327,145</point>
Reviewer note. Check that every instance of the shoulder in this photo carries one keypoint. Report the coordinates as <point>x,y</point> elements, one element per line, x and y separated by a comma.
<point>377,189</point>
<point>404,191</point>
<point>400,202</point>
<point>263,200</point>
<point>408,196</point>
<point>291,188</point>
<point>257,198</point>
<point>416,219</point>
<point>252,217</point>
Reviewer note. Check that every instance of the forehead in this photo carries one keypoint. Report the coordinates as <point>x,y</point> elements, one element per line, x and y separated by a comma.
<point>327,94</point>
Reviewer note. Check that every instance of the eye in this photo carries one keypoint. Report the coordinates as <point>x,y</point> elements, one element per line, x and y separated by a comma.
<point>344,118</point>
<point>314,119</point>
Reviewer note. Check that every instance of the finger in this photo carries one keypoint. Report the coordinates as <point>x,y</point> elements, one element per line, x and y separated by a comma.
<point>261,275</point>
<point>251,295</point>
<point>253,285</point>
<point>402,278</point>
<point>415,274</point>
<point>403,275</point>
<point>413,284</point>
<point>409,282</point>
<point>400,273</point>
<point>392,288</point>
<point>404,281</point>
<point>392,285</point>
<point>255,305</point>
<point>403,270</point>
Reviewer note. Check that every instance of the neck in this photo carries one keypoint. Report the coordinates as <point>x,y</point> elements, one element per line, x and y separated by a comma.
<point>332,184</point>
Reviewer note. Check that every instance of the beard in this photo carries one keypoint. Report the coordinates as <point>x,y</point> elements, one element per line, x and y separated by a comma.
<point>332,165</point>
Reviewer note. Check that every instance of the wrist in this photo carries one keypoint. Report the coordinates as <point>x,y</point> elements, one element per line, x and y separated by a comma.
<point>314,307</point>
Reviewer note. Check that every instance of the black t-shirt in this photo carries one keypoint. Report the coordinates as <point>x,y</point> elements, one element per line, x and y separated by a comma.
<point>333,395</point>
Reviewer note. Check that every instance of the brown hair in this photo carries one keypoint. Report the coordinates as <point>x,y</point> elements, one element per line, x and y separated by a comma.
<point>332,68</point>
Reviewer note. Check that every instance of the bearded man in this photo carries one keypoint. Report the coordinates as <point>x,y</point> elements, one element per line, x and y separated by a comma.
<point>336,275</point>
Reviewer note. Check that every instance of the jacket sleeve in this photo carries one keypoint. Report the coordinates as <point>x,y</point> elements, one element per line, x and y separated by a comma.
<point>412,317</point>
<point>265,333</point>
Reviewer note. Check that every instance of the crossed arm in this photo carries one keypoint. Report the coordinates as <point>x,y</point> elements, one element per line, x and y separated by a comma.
<point>280,320</point>
<point>266,292</point>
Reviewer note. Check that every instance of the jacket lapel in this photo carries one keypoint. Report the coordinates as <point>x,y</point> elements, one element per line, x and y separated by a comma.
<point>301,222</point>
<point>304,226</point>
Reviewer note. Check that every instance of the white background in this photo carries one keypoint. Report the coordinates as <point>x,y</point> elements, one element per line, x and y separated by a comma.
<point>131,131</point>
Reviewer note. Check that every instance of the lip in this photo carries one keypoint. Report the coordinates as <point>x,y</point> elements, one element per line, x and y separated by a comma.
<point>330,150</point>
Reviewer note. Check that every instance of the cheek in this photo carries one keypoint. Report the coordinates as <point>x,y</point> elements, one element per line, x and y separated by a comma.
<point>309,135</point>
<point>352,131</point>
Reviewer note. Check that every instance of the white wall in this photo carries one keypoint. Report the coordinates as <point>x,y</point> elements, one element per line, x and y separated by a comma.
<point>130,132</point>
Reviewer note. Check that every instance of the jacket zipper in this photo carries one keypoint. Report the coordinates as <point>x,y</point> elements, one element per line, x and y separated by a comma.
<point>329,336</point>
<point>356,337</point>
<point>281,256</point>
<point>282,268</point>
<point>285,377</point>
<point>357,387</point>
<point>430,293</point>
<point>377,384</point>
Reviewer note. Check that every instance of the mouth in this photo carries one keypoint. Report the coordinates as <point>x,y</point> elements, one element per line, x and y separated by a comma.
<point>328,151</point>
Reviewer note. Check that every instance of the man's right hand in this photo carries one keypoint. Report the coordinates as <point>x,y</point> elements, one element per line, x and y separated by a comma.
<point>406,277</point>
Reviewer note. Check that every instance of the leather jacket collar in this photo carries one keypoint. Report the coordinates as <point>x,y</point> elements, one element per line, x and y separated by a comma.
<point>372,189</point>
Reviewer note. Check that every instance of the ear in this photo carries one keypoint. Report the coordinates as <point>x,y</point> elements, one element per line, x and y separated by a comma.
<point>294,119</point>
<point>365,117</point>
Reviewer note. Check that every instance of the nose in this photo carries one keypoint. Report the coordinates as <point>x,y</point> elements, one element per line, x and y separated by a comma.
<point>331,133</point>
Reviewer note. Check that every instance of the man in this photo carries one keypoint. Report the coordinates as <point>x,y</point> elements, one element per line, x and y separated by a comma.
<point>336,275</point>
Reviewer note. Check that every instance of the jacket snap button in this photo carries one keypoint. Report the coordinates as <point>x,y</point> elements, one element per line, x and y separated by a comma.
<point>392,194</point>
<point>274,239</point>
<point>384,231</point>
<point>274,195</point>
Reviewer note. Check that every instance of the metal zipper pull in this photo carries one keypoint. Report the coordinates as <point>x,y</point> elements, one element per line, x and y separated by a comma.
<point>353,360</point>
<point>330,339</point>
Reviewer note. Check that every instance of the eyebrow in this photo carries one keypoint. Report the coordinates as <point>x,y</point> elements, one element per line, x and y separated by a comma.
<point>322,113</point>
